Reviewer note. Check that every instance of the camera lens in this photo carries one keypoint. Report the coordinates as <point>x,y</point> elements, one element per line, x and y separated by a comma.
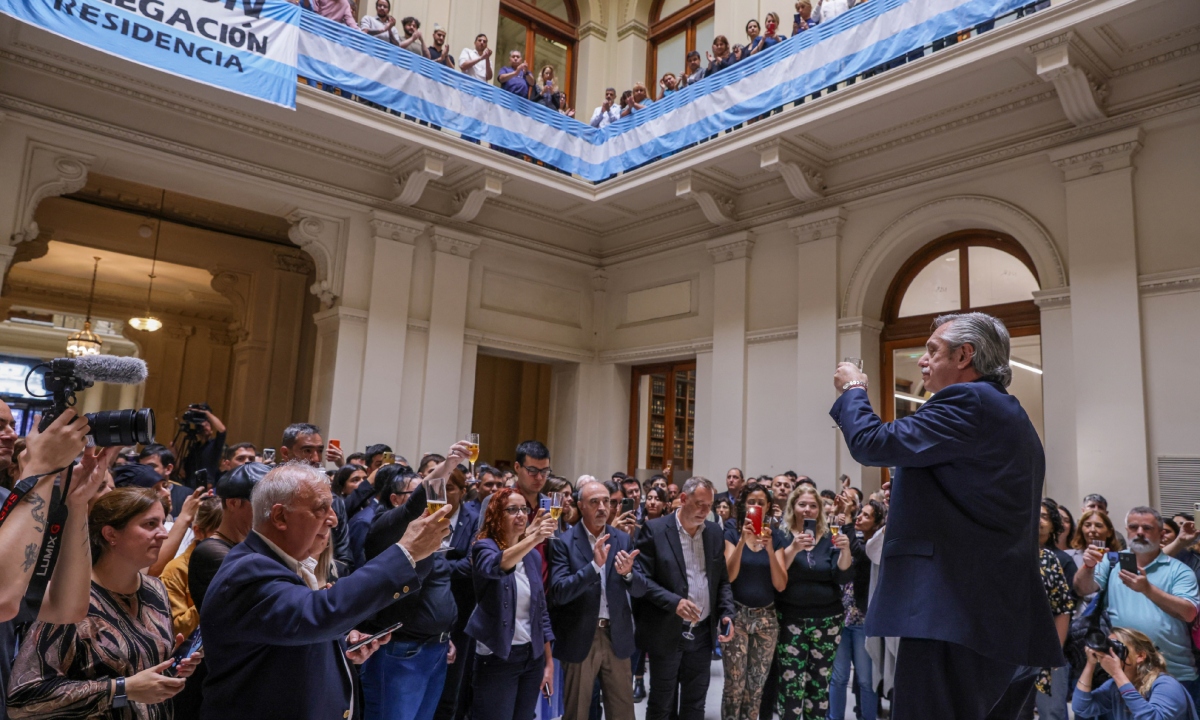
<point>122,427</point>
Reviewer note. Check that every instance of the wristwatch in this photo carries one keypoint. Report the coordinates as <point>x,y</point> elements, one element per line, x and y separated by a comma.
<point>119,699</point>
<point>854,383</point>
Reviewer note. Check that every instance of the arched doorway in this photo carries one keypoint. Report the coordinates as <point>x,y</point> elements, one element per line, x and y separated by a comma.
<point>970,270</point>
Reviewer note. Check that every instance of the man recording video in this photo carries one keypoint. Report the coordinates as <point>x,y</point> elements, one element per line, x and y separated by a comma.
<point>199,444</point>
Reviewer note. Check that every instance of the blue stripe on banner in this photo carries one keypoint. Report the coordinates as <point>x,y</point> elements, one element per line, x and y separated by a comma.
<point>569,144</point>
<point>106,27</point>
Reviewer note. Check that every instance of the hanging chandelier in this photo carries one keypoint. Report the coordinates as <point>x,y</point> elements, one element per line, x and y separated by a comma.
<point>85,342</point>
<point>147,322</point>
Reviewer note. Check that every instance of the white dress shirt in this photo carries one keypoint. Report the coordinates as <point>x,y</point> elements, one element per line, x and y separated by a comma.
<point>601,119</point>
<point>697,572</point>
<point>603,580</point>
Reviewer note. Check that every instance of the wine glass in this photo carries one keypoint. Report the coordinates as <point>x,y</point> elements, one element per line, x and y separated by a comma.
<point>473,457</point>
<point>556,505</point>
<point>435,494</point>
<point>856,362</point>
<point>688,634</point>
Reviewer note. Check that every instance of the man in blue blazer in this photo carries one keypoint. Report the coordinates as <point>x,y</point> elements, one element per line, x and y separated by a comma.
<point>274,638</point>
<point>592,576</point>
<point>688,604</point>
<point>959,582</point>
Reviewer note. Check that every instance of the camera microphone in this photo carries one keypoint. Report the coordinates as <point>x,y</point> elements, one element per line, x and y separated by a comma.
<point>106,368</point>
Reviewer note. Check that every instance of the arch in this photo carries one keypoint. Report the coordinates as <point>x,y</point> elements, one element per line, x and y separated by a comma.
<point>907,234</point>
<point>635,11</point>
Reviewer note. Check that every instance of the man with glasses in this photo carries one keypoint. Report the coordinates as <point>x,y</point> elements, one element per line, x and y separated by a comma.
<point>532,466</point>
<point>1159,600</point>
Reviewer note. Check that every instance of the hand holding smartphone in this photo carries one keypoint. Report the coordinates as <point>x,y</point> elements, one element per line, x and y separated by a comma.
<point>368,640</point>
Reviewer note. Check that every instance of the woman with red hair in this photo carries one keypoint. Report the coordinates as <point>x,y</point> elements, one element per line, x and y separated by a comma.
<point>511,624</point>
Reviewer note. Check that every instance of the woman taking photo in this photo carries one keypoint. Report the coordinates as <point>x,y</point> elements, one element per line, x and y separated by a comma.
<point>111,664</point>
<point>511,625</point>
<point>1139,687</point>
<point>853,648</point>
<point>755,575</point>
<point>810,606</point>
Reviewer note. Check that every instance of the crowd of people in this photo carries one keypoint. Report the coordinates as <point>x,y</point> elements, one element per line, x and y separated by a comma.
<point>525,595</point>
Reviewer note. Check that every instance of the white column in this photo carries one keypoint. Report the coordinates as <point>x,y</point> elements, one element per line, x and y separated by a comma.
<point>727,423</point>
<point>817,237</point>
<point>466,397</point>
<point>1058,397</point>
<point>337,372</point>
<point>1110,404</point>
<point>859,337</point>
<point>387,327</point>
<point>703,459</point>
<point>447,324</point>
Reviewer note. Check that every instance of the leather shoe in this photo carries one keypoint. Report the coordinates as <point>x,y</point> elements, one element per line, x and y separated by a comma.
<point>639,690</point>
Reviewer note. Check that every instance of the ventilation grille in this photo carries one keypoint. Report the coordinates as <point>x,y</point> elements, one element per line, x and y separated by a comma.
<point>1178,484</point>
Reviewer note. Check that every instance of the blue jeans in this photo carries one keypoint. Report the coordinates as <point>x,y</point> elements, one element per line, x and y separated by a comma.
<point>403,680</point>
<point>853,648</point>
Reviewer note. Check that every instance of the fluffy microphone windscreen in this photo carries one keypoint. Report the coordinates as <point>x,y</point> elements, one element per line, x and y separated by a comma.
<point>111,369</point>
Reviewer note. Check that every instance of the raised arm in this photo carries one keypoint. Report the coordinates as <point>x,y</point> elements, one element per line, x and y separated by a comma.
<point>941,430</point>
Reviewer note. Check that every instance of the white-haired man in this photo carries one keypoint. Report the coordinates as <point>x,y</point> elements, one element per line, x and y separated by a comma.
<point>274,637</point>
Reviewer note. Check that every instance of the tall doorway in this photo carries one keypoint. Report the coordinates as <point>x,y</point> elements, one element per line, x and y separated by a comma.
<point>662,421</point>
<point>512,404</point>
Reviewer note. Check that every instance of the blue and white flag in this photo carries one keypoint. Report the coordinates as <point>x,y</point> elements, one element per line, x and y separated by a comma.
<point>246,46</point>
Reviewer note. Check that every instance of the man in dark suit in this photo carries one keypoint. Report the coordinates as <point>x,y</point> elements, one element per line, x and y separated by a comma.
<point>274,639</point>
<point>592,575</point>
<point>969,477</point>
<point>688,604</point>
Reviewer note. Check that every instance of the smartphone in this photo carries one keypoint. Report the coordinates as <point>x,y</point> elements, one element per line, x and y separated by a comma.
<point>368,640</point>
<point>755,513</point>
<point>546,691</point>
<point>389,458</point>
<point>186,650</point>
<point>726,628</point>
<point>335,444</point>
<point>268,455</point>
<point>1128,562</point>
<point>810,526</point>
<point>544,503</point>
<point>627,505</point>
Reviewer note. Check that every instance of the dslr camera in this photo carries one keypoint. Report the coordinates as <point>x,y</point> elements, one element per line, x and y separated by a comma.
<point>193,418</point>
<point>66,376</point>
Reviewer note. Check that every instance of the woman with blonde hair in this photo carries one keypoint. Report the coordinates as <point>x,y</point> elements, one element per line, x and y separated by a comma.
<point>1139,686</point>
<point>810,607</point>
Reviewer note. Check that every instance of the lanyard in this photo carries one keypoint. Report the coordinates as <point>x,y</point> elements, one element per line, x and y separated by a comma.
<point>56,519</point>
<point>21,490</point>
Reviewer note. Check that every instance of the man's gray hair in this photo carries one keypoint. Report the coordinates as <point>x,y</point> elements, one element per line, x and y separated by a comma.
<point>1095,498</point>
<point>281,486</point>
<point>1143,510</point>
<point>293,432</point>
<point>987,335</point>
<point>694,483</point>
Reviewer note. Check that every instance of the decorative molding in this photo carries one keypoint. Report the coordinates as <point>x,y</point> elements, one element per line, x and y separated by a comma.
<point>291,262</point>
<point>757,337</point>
<point>731,247</point>
<point>395,227</point>
<point>821,225</point>
<point>599,280</point>
<point>525,347</point>
<point>179,332</point>
<point>453,242</point>
<point>658,352</point>
<point>1097,155</point>
<point>1080,84</point>
<point>470,202</point>
<point>1110,36</point>
<point>717,209</point>
<point>1157,60</point>
<point>638,29</point>
<point>410,184</point>
<point>226,338</point>
<point>47,171</point>
<point>323,237</point>
<point>594,29</point>
<point>803,181</point>
<point>340,313</point>
<point>859,323</point>
<point>1053,299</point>
<point>234,286</point>
<point>1170,283</point>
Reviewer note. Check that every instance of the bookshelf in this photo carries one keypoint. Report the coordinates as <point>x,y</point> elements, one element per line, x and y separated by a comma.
<point>663,419</point>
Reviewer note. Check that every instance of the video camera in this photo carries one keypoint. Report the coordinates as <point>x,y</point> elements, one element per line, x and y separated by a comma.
<point>64,377</point>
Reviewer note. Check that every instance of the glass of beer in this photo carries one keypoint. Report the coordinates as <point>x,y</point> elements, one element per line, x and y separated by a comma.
<point>556,505</point>
<point>473,457</point>
<point>435,494</point>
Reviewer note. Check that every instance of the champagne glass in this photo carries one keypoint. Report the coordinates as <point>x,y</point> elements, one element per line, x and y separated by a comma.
<point>473,457</point>
<point>435,494</point>
<point>688,634</point>
<point>556,505</point>
<point>834,530</point>
<point>856,362</point>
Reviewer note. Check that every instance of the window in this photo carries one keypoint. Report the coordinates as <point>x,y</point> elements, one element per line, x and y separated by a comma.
<point>544,31</point>
<point>676,28</point>
<point>970,270</point>
<point>662,423</point>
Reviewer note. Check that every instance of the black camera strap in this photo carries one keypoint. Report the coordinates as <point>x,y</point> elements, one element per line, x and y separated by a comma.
<point>20,491</point>
<point>56,520</point>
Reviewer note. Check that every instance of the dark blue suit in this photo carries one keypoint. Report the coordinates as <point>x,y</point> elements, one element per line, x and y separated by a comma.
<point>507,681</point>
<point>273,647</point>
<point>462,585</point>
<point>959,582</point>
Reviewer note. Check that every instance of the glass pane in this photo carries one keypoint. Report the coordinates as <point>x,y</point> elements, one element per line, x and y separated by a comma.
<point>935,289</point>
<point>705,32</point>
<point>997,277</point>
<point>906,381</point>
<point>557,8</point>
<point>652,421</point>
<point>1026,362</point>
<point>669,57</point>
<point>510,36</point>
<point>684,436</point>
<point>552,53</point>
<point>670,7</point>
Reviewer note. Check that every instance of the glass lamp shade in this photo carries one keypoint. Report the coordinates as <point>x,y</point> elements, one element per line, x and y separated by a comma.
<point>149,323</point>
<point>83,342</point>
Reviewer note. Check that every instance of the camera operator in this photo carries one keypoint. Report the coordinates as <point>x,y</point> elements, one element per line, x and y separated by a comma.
<point>206,441</point>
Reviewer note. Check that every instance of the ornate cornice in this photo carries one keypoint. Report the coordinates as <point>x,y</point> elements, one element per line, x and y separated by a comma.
<point>860,323</point>
<point>1053,299</point>
<point>396,227</point>
<point>593,29</point>
<point>717,208</point>
<point>1157,60</point>
<point>658,352</point>
<point>734,246</point>
<point>1170,283</point>
<point>1097,155</point>
<point>820,225</point>
<point>803,180</point>
<point>638,29</point>
<point>453,242</point>
<point>1078,75</point>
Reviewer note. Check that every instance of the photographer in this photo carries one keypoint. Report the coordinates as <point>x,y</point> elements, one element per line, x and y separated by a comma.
<point>1139,688</point>
<point>199,444</point>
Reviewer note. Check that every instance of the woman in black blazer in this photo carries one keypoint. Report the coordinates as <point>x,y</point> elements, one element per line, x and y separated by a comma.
<point>510,624</point>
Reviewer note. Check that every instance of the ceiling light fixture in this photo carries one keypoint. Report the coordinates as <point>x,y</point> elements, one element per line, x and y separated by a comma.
<point>85,342</point>
<point>147,322</point>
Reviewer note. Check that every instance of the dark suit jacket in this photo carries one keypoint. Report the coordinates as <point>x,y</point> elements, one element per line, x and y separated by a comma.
<point>659,629</point>
<point>462,583</point>
<point>494,620</point>
<point>273,647</point>
<point>960,561</point>
<point>575,595</point>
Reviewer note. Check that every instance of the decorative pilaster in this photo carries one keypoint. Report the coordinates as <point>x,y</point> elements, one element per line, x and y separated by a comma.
<point>727,431</point>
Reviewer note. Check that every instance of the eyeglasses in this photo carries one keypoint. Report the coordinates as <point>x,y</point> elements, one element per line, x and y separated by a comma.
<point>543,472</point>
<point>516,510</point>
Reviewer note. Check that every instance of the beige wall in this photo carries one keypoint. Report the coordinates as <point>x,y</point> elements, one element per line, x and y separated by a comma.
<point>512,404</point>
